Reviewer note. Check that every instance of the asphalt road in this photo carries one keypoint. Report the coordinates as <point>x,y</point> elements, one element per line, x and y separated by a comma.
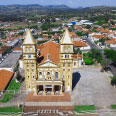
<point>111,66</point>
<point>6,55</point>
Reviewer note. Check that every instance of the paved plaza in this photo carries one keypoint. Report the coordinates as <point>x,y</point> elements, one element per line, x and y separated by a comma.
<point>93,88</point>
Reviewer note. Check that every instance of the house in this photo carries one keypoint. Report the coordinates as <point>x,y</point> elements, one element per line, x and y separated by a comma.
<point>3,51</point>
<point>77,60</point>
<point>83,46</point>
<point>13,43</point>
<point>5,78</point>
<point>111,42</point>
<point>11,62</point>
<point>18,50</point>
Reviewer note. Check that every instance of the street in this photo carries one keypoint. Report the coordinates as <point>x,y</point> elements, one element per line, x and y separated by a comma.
<point>111,66</point>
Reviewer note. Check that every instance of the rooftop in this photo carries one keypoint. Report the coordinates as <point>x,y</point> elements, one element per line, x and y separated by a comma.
<point>11,60</point>
<point>51,48</point>
<point>5,77</point>
<point>79,44</point>
<point>4,48</point>
<point>14,42</point>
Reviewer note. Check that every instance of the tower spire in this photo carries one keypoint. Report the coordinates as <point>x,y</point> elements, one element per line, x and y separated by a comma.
<point>28,38</point>
<point>66,37</point>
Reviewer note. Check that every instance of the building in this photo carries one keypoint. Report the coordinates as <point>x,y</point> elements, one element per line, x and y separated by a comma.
<point>13,43</point>
<point>48,68</point>
<point>5,78</point>
<point>11,61</point>
<point>4,50</point>
<point>83,46</point>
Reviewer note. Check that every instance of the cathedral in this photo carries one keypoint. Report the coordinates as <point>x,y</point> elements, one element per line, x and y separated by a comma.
<point>49,66</point>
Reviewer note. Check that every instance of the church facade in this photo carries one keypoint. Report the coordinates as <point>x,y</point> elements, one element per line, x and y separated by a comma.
<point>48,67</point>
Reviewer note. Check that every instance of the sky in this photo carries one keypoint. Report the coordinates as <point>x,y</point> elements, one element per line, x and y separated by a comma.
<point>70,3</point>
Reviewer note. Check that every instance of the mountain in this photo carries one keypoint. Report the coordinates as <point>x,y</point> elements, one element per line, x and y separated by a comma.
<point>19,12</point>
<point>33,6</point>
<point>57,7</point>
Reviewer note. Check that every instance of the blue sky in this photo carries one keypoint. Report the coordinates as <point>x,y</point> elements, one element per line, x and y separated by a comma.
<point>71,3</point>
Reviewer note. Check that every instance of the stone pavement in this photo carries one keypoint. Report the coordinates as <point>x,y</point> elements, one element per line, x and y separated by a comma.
<point>94,88</point>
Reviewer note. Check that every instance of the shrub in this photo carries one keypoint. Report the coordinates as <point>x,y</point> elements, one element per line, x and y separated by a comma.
<point>113,81</point>
<point>87,59</point>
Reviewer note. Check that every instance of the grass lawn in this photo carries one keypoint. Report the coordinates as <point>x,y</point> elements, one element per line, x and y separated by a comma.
<point>13,87</point>
<point>113,106</point>
<point>85,109</point>
<point>11,109</point>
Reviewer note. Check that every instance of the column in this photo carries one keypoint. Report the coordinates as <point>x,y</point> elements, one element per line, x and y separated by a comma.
<point>44,91</point>
<point>60,89</point>
<point>52,90</point>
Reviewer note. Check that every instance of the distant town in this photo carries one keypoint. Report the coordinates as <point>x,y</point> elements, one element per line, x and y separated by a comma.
<point>59,65</point>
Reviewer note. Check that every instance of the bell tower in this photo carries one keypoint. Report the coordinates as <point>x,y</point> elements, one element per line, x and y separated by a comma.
<point>29,61</point>
<point>66,60</point>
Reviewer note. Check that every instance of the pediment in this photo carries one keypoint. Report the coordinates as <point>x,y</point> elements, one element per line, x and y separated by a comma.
<point>48,64</point>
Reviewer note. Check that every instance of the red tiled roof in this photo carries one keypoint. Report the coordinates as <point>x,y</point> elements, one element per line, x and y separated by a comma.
<point>100,36</point>
<point>75,56</point>
<point>3,49</point>
<point>51,48</point>
<point>18,49</point>
<point>5,77</point>
<point>112,41</point>
<point>79,44</point>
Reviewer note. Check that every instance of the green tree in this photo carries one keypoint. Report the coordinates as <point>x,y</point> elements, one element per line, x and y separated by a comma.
<point>113,81</point>
<point>88,27</point>
<point>102,41</point>
<point>21,33</point>
<point>111,54</point>
<point>18,76</point>
<point>96,54</point>
<point>3,35</point>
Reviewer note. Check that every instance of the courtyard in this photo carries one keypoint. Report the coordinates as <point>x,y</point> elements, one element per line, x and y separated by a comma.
<point>93,88</point>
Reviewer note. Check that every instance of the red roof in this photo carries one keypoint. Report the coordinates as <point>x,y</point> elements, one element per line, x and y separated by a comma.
<point>51,48</point>
<point>79,44</point>
<point>5,77</point>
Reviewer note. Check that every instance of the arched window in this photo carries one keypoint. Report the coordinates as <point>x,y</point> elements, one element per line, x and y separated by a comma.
<point>74,63</point>
<point>30,49</point>
<point>63,64</point>
<point>68,49</point>
<point>40,73</point>
<point>56,75</point>
<point>32,65</point>
<point>48,73</point>
<point>68,64</point>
